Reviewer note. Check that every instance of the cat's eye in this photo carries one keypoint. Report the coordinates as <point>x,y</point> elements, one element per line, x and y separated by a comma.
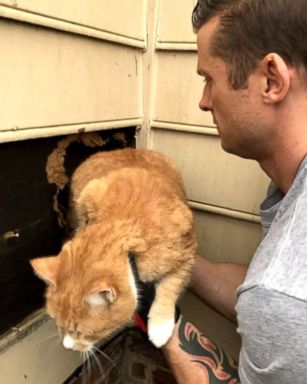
<point>61,330</point>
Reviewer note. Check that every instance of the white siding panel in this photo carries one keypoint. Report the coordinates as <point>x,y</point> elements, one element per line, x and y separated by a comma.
<point>212,176</point>
<point>124,17</point>
<point>225,239</point>
<point>178,90</point>
<point>51,78</point>
<point>175,23</point>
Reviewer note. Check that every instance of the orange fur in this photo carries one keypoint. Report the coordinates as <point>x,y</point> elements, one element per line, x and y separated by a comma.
<point>121,201</point>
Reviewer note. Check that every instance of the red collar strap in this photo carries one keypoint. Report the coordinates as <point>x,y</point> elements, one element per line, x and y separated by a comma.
<point>140,323</point>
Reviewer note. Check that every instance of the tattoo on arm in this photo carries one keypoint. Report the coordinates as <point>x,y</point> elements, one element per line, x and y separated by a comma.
<point>218,367</point>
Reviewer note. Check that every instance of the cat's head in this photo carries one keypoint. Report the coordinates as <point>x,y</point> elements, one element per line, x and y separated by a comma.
<point>89,298</point>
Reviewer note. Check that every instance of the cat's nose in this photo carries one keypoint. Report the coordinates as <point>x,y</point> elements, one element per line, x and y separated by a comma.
<point>68,342</point>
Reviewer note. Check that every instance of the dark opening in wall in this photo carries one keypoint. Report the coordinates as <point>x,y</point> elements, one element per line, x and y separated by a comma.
<point>33,195</point>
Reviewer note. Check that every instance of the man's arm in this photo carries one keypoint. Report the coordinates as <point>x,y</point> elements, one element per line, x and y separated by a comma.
<point>216,283</point>
<point>193,358</point>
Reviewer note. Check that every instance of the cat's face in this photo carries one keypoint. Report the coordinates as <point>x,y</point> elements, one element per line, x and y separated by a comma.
<point>84,320</point>
<point>88,301</point>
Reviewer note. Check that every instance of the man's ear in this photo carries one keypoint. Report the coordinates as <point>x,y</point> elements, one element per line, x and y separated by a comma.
<point>277,74</point>
<point>46,268</point>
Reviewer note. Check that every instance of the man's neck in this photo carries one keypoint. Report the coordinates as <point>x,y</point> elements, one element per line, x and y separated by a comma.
<point>282,167</point>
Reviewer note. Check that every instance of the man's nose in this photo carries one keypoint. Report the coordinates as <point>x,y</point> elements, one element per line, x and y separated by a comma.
<point>205,103</point>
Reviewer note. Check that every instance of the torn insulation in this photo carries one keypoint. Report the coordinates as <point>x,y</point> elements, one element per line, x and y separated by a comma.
<point>55,167</point>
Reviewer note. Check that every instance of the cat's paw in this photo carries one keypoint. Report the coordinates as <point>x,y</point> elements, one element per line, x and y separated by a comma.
<point>160,330</point>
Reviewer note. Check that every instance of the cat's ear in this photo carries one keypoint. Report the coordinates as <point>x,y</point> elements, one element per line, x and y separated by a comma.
<point>101,298</point>
<point>46,268</point>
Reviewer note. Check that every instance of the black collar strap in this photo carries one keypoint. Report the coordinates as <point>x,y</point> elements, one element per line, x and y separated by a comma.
<point>134,268</point>
<point>146,295</point>
<point>146,291</point>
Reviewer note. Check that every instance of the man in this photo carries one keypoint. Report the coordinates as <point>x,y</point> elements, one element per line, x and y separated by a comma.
<point>253,57</point>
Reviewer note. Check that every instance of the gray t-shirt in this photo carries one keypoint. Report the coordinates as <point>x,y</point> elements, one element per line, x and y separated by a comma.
<point>272,301</point>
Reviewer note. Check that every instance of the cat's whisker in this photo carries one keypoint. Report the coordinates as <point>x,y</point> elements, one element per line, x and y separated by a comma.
<point>104,355</point>
<point>96,360</point>
<point>82,370</point>
<point>89,367</point>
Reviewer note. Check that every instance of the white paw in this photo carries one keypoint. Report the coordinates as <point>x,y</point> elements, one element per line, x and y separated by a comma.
<point>159,332</point>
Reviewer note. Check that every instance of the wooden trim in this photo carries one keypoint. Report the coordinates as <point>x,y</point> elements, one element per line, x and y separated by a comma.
<point>225,212</point>
<point>23,330</point>
<point>212,131</point>
<point>176,46</point>
<point>17,134</point>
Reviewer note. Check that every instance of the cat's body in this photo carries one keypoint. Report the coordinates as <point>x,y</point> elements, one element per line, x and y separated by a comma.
<point>121,201</point>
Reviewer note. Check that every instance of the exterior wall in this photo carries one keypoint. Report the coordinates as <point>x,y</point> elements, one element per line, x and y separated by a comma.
<point>65,67</point>
<point>57,80</point>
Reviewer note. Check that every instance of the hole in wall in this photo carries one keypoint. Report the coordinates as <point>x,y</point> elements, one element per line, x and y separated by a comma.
<point>34,178</point>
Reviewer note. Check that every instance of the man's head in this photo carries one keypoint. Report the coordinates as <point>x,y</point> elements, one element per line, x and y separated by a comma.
<point>248,30</point>
<point>253,56</point>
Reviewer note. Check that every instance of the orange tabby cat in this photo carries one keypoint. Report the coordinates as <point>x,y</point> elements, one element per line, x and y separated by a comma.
<point>123,201</point>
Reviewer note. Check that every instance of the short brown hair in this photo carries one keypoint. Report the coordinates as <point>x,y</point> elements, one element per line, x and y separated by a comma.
<point>250,29</point>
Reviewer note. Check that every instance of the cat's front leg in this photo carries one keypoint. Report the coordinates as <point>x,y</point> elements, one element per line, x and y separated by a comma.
<point>160,326</point>
<point>161,317</point>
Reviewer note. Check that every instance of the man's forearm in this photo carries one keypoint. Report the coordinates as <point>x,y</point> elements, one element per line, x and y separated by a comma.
<point>216,284</point>
<point>194,358</point>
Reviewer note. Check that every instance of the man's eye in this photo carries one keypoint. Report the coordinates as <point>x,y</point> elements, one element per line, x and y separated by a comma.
<point>207,80</point>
